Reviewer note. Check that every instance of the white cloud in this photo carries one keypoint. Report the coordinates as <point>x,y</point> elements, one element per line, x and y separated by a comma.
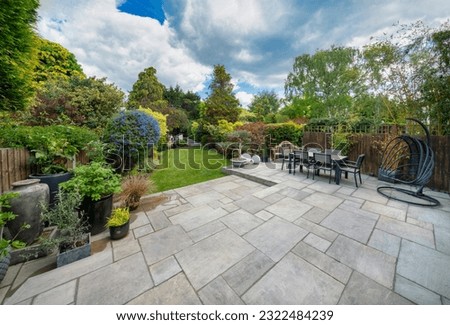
<point>244,98</point>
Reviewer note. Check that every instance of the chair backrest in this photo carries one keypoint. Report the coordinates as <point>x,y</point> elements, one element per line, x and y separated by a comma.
<point>324,159</point>
<point>285,151</point>
<point>360,160</point>
<point>305,156</point>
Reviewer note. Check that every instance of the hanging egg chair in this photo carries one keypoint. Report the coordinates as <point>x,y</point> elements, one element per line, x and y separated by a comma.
<point>408,162</point>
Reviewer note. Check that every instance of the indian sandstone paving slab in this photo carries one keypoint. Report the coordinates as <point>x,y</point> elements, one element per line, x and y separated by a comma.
<point>27,269</point>
<point>164,270</point>
<point>385,242</point>
<point>407,231</point>
<point>442,239</point>
<point>251,204</point>
<point>411,265</point>
<point>323,201</point>
<point>267,192</point>
<point>142,231</point>
<point>217,292</point>
<point>3,292</point>
<point>158,220</point>
<point>355,225</point>
<point>205,198</point>
<point>241,221</point>
<point>369,195</point>
<point>317,242</point>
<point>128,248</point>
<point>207,230</point>
<point>294,193</point>
<point>384,210</point>
<point>275,237</point>
<point>225,186</point>
<point>432,215</point>
<point>210,257</point>
<point>371,262</point>
<point>163,243</point>
<point>197,217</point>
<point>289,209</point>
<point>178,209</point>
<point>322,261</point>
<point>100,287</point>
<point>175,291</point>
<point>138,219</point>
<point>361,290</point>
<point>316,215</point>
<point>316,229</point>
<point>324,187</point>
<point>264,215</point>
<point>61,295</point>
<point>271,199</point>
<point>245,273</point>
<point>293,281</point>
<point>45,281</point>
<point>416,293</point>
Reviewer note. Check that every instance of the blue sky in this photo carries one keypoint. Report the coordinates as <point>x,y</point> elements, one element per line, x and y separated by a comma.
<point>256,40</point>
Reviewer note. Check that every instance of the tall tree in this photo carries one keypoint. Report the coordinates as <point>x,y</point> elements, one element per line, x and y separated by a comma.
<point>329,78</point>
<point>147,91</point>
<point>221,103</point>
<point>188,101</point>
<point>17,55</point>
<point>264,103</point>
<point>55,61</point>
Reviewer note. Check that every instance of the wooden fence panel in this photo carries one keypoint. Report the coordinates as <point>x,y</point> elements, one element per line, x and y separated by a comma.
<point>371,145</point>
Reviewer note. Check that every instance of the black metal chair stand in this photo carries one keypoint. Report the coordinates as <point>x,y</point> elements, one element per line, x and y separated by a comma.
<point>409,161</point>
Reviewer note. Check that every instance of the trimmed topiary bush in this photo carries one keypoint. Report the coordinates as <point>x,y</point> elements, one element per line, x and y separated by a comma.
<point>131,136</point>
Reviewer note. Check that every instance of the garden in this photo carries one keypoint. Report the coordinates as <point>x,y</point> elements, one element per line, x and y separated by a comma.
<point>87,155</point>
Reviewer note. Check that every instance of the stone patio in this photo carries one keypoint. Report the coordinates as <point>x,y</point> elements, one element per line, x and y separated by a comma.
<point>258,236</point>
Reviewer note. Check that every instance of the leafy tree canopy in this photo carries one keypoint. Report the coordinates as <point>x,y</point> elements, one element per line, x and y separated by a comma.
<point>189,101</point>
<point>264,103</point>
<point>147,91</point>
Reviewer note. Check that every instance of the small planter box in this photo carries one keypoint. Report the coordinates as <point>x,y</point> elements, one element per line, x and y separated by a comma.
<point>35,250</point>
<point>74,254</point>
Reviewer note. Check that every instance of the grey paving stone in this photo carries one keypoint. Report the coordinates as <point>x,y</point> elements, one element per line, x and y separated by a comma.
<point>45,281</point>
<point>294,193</point>
<point>361,290</point>
<point>266,192</point>
<point>316,215</point>
<point>264,215</point>
<point>11,274</point>
<point>241,221</point>
<point>445,301</point>
<point>369,195</point>
<point>275,237</point>
<point>324,201</point>
<point>352,224</point>
<point>138,219</point>
<point>233,195</point>
<point>188,191</point>
<point>61,295</point>
<point>205,198</point>
<point>251,204</point>
<point>3,292</point>
<point>316,229</point>
<point>225,186</point>
<point>420,223</point>
<point>207,230</point>
<point>289,209</point>
<point>101,287</point>
<point>371,262</point>
<point>385,242</point>
<point>161,244</point>
<point>217,292</point>
<point>271,199</point>
<point>322,261</point>
<point>435,276</point>
<point>317,242</point>
<point>164,270</point>
<point>178,209</point>
<point>142,231</point>
<point>212,256</point>
<point>442,239</point>
<point>345,190</point>
<point>245,273</point>
<point>415,293</point>
<point>293,281</point>
<point>197,217</point>
<point>129,247</point>
<point>407,231</point>
<point>226,200</point>
<point>384,210</point>
<point>28,269</point>
<point>324,187</point>
<point>176,291</point>
<point>435,216</point>
<point>230,207</point>
<point>159,220</point>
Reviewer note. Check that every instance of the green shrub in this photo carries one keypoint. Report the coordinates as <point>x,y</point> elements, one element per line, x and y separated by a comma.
<point>276,133</point>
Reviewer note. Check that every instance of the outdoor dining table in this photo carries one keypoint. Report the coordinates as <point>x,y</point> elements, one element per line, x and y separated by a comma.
<point>338,159</point>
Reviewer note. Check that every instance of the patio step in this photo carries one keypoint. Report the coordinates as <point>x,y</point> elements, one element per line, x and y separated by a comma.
<point>229,170</point>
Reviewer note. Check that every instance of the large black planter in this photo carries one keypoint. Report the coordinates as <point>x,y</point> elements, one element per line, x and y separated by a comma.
<point>4,265</point>
<point>97,212</point>
<point>53,181</point>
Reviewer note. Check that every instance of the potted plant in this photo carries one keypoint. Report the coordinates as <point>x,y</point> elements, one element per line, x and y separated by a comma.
<point>119,223</point>
<point>73,240</point>
<point>7,244</point>
<point>96,183</point>
<point>134,186</point>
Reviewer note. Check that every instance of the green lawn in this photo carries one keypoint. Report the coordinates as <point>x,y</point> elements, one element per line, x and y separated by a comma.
<point>186,166</point>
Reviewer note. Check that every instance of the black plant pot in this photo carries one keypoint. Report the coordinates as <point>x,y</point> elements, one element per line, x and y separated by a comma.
<point>97,212</point>
<point>53,181</point>
<point>119,232</point>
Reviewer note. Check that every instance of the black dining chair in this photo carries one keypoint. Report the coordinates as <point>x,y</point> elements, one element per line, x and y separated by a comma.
<point>324,162</point>
<point>284,155</point>
<point>301,159</point>
<point>353,167</point>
